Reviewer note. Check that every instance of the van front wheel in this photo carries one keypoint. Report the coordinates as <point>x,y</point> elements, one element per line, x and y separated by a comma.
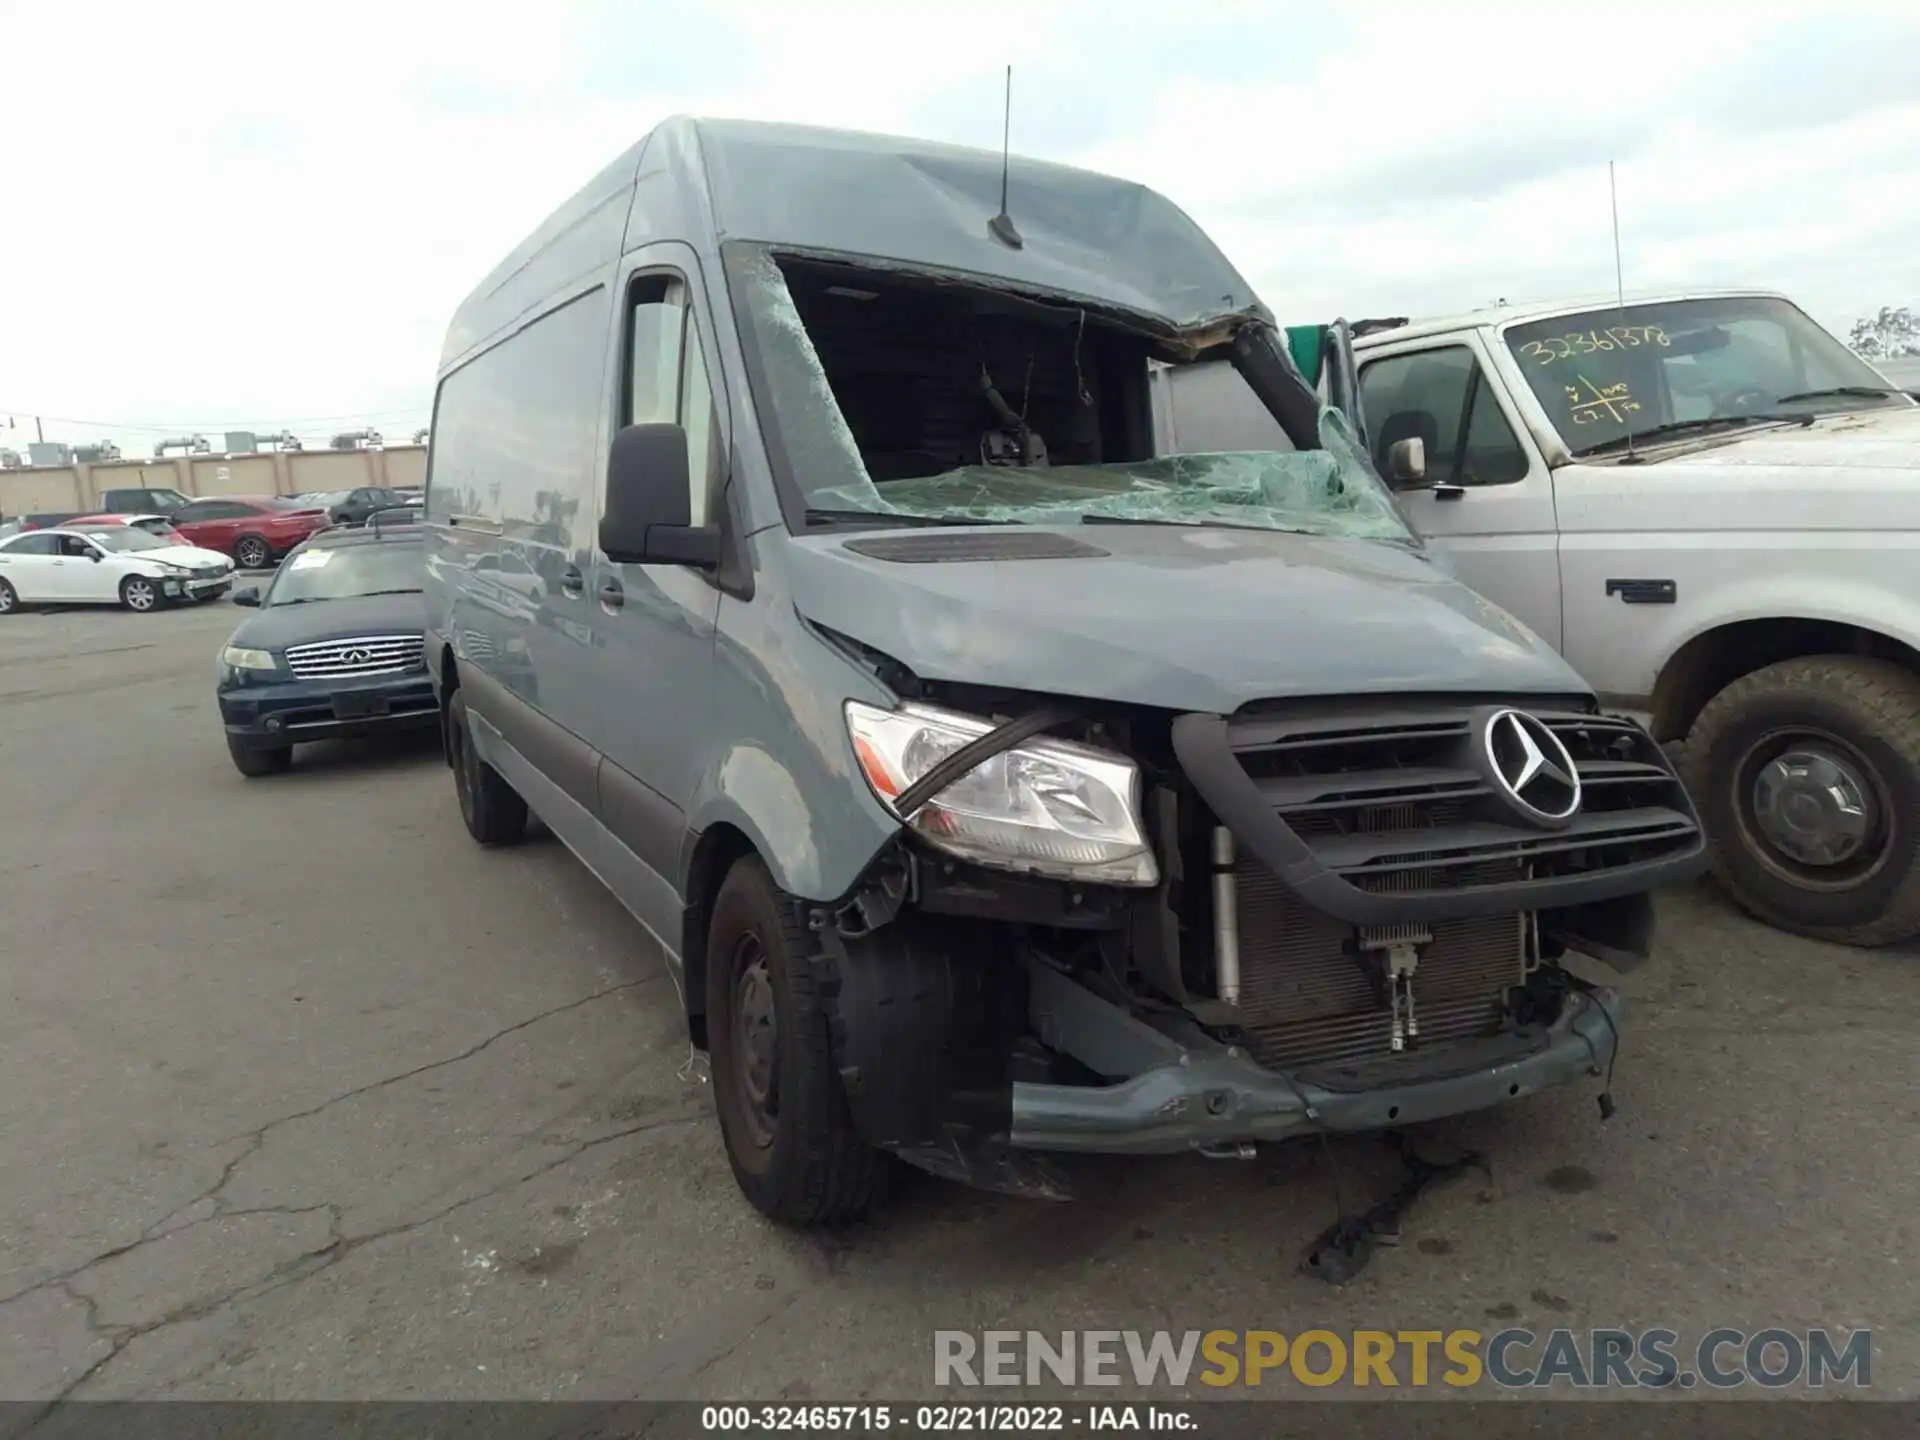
<point>492,811</point>
<point>790,1140</point>
<point>1807,774</point>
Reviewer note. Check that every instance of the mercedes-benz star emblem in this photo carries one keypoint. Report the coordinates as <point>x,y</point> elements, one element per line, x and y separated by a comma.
<point>1531,768</point>
<point>355,656</point>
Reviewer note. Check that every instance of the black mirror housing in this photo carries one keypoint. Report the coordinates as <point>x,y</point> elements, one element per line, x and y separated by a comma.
<point>248,595</point>
<point>648,519</point>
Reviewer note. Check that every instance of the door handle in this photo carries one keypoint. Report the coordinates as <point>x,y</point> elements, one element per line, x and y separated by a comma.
<point>1448,492</point>
<point>611,594</point>
<point>572,582</point>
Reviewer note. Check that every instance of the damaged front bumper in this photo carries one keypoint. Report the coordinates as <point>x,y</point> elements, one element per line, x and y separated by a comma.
<point>1201,1095</point>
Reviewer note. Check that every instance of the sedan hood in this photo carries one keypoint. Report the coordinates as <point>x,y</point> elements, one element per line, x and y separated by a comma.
<point>1177,617</point>
<point>279,626</point>
<point>192,556</point>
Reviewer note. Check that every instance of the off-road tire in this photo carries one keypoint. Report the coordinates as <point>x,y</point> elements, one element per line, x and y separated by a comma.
<point>817,1169</point>
<point>491,809</point>
<point>254,761</point>
<point>1875,707</point>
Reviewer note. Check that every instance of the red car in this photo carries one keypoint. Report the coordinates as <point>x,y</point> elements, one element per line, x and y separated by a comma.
<point>255,530</point>
<point>152,524</point>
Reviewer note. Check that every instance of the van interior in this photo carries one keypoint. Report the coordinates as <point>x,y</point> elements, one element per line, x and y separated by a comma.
<point>932,376</point>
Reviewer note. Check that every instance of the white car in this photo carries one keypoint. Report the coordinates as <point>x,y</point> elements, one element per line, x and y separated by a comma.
<point>106,565</point>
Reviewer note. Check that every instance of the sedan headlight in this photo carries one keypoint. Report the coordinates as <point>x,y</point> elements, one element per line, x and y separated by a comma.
<point>238,657</point>
<point>1048,806</point>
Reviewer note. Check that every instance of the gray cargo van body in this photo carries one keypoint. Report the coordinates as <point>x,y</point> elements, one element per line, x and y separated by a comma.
<point>793,319</point>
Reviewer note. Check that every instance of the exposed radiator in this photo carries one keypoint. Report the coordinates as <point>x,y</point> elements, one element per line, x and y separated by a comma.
<point>1307,998</point>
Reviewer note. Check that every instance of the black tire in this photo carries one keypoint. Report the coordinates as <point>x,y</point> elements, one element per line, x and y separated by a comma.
<point>9,601</point>
<point>793,1147</point>
<point>140,594</point>
<point>1865,715</point>
<point>255,761</point>
<point>252,552</point>
<point>492,811</point>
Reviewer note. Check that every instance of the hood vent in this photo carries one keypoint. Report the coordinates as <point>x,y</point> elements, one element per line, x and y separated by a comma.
<point>925,549</point>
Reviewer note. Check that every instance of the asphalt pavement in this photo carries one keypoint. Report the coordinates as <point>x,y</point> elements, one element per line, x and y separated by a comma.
<point>302,1094</point>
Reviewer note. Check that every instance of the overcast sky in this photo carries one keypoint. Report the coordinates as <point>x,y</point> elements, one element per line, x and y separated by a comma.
<point>220,213</point>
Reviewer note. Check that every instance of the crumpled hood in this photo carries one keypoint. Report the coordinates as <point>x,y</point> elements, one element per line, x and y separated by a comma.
<point>192,556</point>
<point>278,626</point>
<point>1867,440</point>
<point>1178,617</point>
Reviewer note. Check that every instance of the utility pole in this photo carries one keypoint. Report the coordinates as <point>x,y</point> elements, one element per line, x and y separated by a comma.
<point>38,434</point>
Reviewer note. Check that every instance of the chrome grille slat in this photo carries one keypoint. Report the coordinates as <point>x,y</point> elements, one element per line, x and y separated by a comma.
<point>356,656</point>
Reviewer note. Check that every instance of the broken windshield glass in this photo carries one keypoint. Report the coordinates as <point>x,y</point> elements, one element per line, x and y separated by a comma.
<point>1329,491</point>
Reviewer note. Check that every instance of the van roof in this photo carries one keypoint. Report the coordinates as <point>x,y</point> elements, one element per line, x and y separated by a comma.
<point>1499,315</point>
<point>913,203</point>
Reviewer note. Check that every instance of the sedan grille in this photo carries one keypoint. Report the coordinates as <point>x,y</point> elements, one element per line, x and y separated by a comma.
<point>363,655</point>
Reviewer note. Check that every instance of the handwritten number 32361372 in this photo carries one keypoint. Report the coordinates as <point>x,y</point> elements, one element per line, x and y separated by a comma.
<point>1618,337</point>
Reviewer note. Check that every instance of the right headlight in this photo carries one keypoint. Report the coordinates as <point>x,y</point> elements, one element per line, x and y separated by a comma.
<point>1049,807</point>
<point>238,657</point>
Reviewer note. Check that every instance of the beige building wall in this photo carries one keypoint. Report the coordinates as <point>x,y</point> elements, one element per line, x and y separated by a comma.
<point>78,487</point>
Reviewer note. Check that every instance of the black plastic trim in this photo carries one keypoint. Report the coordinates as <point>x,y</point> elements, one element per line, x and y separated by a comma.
<point>642,819</point>
<point>556,752</point>
<point>1201,744</point>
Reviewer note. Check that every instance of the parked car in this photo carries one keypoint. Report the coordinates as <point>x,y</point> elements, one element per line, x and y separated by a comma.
<point>46,519</point>
<point>144,500</point>
<point>353,507</point>
<point>254,530</point>
<point>335,650</point>
<point>106,565</point>
<point>153,524</point>
<point>991,785</point>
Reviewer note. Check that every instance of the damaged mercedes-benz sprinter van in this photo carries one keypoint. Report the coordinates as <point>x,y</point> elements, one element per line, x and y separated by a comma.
<point>799,554</point>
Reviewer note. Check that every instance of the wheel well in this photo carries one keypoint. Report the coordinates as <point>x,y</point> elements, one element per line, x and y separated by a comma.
<point>1708,663</point>
<point>714,855</point>
<point>449,682</point>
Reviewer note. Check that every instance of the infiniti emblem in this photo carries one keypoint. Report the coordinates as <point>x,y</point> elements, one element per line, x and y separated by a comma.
<point>1531,768</point>
<point>355,656</point>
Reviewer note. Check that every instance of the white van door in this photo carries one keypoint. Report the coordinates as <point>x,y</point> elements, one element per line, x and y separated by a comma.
<point>1489,507</point>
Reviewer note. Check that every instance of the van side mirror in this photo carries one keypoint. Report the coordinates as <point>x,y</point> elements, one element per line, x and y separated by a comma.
<point>1407,463</point>
<point>248,595</point>
<point>648,519</point>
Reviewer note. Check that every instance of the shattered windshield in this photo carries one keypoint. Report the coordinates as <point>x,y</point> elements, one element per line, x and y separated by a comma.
<point>1603,375</point>
<point>1329,491</point>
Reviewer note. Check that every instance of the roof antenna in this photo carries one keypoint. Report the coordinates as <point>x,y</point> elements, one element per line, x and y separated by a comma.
<point>1619,284</point>
<point>1001,225</point>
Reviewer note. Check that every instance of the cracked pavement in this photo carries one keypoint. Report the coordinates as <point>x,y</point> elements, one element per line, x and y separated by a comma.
<point>302,1095</point>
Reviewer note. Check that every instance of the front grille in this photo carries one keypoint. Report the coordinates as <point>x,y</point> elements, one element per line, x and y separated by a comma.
<point>1307,996</point>
<point>1392,800</point>
<point>363,655</point>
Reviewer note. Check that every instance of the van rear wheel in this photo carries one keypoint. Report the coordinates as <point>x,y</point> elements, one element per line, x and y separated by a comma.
<point>790,1139</point>
<point>1808,776</point>
<point>491,809</point>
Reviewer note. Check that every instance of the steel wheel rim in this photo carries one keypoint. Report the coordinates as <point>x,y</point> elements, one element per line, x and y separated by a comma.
<point>140,595</point>
<point>756,1040</point>
<point>1812,809</point>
